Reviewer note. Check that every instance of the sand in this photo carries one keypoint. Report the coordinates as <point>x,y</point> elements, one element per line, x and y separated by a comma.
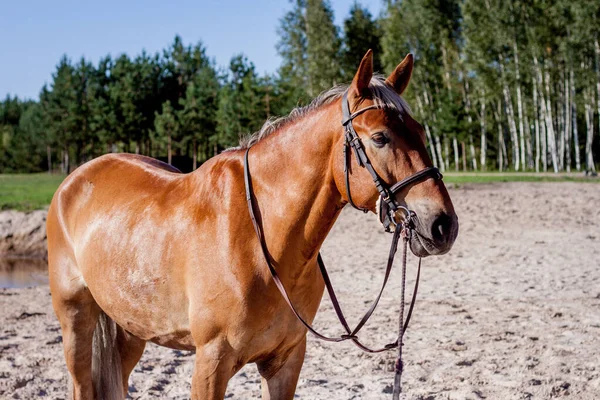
<point>512,312</point>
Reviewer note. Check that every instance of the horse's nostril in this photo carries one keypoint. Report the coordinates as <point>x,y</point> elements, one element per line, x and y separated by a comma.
<point>440,230</point>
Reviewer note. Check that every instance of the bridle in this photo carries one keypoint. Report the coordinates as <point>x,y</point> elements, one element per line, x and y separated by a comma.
<point>388,208</point>
<point>388,205</point>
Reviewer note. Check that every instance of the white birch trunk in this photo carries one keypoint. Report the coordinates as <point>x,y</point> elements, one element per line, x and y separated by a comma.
<point>574,123</point>
<point>438,149</point>
<point>536,114</point>
<point>470,119</point>
<point>427,131</point>
<point>589,122</point>
<point>548,141</point>
<point>528,143</point>
<point>519,107</point>
<point>455,146</point>
<point>549,123</point>
<point>597,54</point>
<point>501,144</point>
<point>511,118</point>
<point>483,141</point>
<point>447,153</point>
<point>567,143</point>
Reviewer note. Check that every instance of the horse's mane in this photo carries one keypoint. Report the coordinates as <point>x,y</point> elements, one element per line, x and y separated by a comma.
<point>382,95</point>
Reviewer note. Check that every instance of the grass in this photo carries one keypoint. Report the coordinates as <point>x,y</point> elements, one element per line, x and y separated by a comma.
<point>473,177</point>
<point>27,192</point>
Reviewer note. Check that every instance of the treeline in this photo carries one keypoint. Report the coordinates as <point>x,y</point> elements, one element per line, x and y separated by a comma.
<point>497,85</point>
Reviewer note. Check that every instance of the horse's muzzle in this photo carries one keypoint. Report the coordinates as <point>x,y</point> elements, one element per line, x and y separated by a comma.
<point>434,234</point>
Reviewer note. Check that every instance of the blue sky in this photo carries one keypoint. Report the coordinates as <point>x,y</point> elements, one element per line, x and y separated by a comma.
<point>35,34</point>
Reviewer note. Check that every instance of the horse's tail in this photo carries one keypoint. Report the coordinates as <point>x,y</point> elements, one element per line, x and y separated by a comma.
<point>106,360</point>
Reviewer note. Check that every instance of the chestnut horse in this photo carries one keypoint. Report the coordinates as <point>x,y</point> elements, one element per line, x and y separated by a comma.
<point>140,252</point>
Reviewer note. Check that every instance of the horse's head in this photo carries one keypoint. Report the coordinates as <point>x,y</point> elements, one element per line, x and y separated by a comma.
<point>395,145</point>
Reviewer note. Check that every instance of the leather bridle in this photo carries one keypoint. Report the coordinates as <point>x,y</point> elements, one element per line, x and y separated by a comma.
<point>388,205</point>
<point>388,208</point>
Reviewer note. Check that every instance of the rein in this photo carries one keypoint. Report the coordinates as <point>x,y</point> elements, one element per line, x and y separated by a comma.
<point>389,207</point>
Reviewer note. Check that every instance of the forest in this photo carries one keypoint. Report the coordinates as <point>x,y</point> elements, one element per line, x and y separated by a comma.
<point>497,85</point>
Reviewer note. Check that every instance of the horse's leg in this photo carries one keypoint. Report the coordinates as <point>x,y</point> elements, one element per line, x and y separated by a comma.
<point>131,349</point>
<point>213,368</point>
<point>279,377</point>
<point>77,313</point>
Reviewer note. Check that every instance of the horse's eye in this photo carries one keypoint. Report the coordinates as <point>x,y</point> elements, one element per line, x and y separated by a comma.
<point>380,140</point>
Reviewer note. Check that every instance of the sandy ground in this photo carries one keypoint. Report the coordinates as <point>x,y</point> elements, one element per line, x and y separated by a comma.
<point>513,312</point>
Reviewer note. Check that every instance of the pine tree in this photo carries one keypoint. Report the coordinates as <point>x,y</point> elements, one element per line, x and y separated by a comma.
<point>198,113</point>
<point>361,33</point>
<point>167,127</point>
<point>323,47</point>
<point>242,109</point>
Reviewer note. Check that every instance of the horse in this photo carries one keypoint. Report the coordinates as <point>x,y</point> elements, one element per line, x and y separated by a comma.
<point>139,252</point>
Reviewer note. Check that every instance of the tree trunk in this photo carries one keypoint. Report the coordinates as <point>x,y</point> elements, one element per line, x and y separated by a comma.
<point>483,140</point>
<point>501,144</point>
<point>548,141</point>
<point>574,123</point>
<point>464,155</point>
<point>49,157</point>
<point>194,154</point>
<point>66,166</point>
<point>472,151</point>
<point>421,110</point>
<point>589,121</point>
<point>511,118</point>
<point>519,107</point>
<point>137,147</point>
<point>550,123</point>
<point>447,153</point>
<point>536,115</point>
<point>455,146</point>
<point>568,119</point>
<point>560,119</point>
<point>438,149</point>
<point>597,54</point>
<point>169,149</point>
<point>467,101</point>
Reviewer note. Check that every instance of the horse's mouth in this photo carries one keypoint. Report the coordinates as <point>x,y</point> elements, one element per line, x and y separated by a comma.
<point>421,246</point>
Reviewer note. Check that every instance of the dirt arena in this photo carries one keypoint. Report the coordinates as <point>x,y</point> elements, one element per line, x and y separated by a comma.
<point>513,312</point>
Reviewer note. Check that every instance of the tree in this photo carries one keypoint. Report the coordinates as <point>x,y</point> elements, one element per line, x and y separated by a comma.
<point>59,105</point>
<point>198,115</point>
<point>361,33</point>
<point>167,127</point>
<point>323,47</point>
<point>242,109</point>
<point>292,48</point>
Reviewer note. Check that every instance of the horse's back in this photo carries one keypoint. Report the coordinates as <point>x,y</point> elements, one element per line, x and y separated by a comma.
<point>101,183</point>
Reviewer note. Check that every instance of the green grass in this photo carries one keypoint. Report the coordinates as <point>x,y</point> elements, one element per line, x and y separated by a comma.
<point>515,177</point>
<point>27,192</point>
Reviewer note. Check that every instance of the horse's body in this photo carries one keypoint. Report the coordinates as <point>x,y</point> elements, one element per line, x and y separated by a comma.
<point>172,258</point>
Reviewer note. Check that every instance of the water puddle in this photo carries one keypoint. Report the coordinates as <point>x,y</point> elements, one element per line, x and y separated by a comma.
<point>23,272</point>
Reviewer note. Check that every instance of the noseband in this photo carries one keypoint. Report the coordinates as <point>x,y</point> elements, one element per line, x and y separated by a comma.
<point>388,208</point>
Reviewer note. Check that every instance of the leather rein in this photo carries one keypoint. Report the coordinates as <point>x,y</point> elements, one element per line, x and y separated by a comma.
<point>388,209</point>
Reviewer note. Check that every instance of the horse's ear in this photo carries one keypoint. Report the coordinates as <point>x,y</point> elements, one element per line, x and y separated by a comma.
<point>360,83</point>
<point>401,76</point>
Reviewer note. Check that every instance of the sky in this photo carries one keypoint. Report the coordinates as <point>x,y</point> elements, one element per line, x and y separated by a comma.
<point>36,33</point>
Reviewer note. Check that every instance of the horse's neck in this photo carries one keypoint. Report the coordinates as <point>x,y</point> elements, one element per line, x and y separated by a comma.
<point>294,186</point>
